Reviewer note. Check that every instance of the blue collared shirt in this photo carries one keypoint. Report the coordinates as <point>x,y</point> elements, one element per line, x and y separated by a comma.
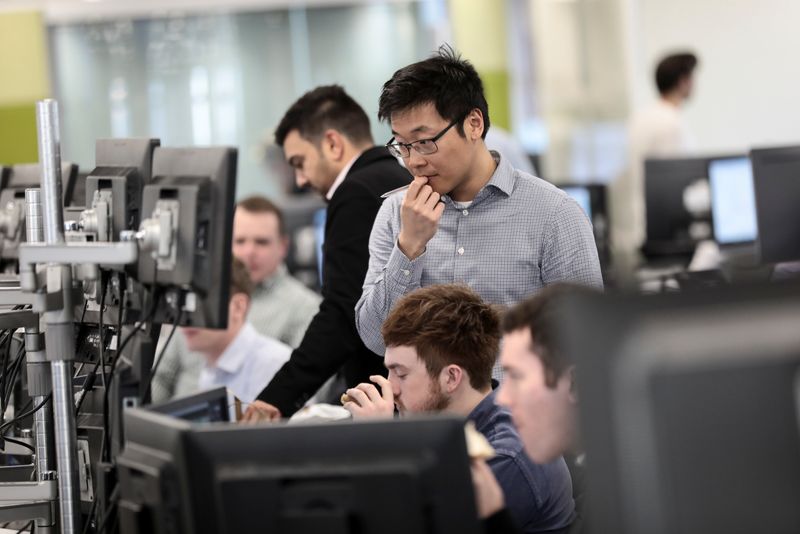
<point>539,497</point>
<point>519,234</point>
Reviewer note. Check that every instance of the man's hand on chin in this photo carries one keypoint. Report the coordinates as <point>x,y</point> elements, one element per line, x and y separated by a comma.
<point>366,402</point>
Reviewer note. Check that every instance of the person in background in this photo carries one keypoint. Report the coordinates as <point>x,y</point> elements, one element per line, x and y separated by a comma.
<point>658,131</point>
<point>237,357</point>
<point>326,138</point>
<point>468,217</point>
<point>280,306</point>
<point>441,343</point>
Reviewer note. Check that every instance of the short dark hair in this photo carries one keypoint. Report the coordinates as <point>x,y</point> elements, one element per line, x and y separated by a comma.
<point>259,204</point>
<point>672,69</point>
<point>240,279</point>
<point>540,315</point>
<point>447,324</point>
<point>452,84</point>
<point>323,108</point>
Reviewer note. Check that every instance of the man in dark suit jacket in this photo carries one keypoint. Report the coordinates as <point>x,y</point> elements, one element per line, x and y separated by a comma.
<point>326,138</point>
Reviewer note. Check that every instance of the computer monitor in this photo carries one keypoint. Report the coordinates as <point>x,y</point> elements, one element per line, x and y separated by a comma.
<point>29,175</point>
<point>304,219</point>
<point>582,196</point>
<point>201,181</point>
<point>776,179</point>
<point>591,197</point>
<point>213,406</point>
<point>12,205</point>
<point>733,206</point>
<point>369,478</point>
<point>690,409</point>
<point>669,223</point>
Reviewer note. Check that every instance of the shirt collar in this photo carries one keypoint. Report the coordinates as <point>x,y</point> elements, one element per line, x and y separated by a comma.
<point>340,178</point>
<point>504,176</point>
<point>483,412</point>
<point>232,358</point>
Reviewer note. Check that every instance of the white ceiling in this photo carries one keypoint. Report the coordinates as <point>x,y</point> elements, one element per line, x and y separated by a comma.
<point>76,10</point>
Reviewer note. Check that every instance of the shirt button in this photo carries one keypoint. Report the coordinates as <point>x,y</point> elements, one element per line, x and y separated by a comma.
<point>460,251</point>
<point>406,272</point>
<point>465,212</point>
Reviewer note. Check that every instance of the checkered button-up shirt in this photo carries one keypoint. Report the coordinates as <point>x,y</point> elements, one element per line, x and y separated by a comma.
<point>519,234</point>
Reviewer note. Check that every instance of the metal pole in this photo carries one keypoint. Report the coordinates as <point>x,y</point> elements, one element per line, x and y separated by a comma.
<point>59,336</point>
<point>39,376</point>
<point>50,161</point>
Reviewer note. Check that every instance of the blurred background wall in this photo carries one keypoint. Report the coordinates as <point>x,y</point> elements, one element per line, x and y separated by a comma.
<point>562,75</point>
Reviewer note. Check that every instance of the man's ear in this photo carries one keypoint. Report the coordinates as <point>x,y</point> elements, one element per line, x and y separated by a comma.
<point>474,125</point>
<point>451,377</point>
<point>569,375</point>
<point>333,145</point>
<point>284,246</point>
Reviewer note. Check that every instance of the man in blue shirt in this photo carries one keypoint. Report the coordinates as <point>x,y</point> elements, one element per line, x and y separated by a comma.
<point>468,217</point>
<point>441,342</point>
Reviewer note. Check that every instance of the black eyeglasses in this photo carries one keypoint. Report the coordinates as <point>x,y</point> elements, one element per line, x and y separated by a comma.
<point>425,147</point>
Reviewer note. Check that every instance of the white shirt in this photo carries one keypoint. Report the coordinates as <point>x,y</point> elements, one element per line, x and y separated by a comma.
<point>340,178</point>
<point>247,364</point>
<point>659,131</point>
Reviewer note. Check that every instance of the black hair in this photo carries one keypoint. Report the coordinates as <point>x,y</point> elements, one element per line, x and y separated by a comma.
<point>672,69</point>
<point>452,84</point>
<point>323,108</point>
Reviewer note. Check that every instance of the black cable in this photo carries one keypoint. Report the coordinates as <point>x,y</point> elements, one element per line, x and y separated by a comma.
<point>4,378</point>
<point>15,369</point>
<point>101,354</point>
<point>112,505</point>
<point>91,377</point>
<point>92,513</point>
<point>20,443</point>
<point>25,414</point>
<point>160,357</point>
<point>156,297</point>
<point>79,335</point>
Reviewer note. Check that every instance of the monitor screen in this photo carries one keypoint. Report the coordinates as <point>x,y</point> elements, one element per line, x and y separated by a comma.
<point>689,409</point>
<point>776,179</point>
<point>582,196</point>
<point>733,206</point>
<point>671,228</point>
<point>213,406</point>
<point>387,477</point>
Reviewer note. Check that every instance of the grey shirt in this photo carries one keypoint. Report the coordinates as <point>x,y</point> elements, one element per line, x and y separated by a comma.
<point>519,234</point>
<point>281,307</point>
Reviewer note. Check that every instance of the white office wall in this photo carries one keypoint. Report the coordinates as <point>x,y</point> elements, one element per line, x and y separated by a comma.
<point>579,46</point>
<point>748,85</point>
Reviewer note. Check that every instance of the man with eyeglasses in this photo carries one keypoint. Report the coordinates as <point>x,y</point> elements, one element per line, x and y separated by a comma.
<point>468,216</point>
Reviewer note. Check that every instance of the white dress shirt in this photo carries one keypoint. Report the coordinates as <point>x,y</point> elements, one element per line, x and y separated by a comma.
<point>246,366</point>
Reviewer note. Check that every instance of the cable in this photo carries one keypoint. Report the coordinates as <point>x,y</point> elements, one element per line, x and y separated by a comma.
<point>20,443</point>
<point>91,377</point>
<point>25,414</point>
<point>92,513</point>
<point>112,505</point>
<point>156,296</point>
<point>160,357</point>
<point>15,369</point>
